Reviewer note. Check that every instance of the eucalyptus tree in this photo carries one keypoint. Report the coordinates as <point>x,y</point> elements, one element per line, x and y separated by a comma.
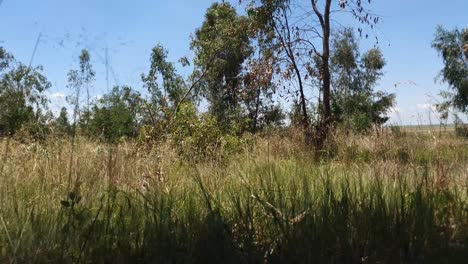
<point>278,41</point>
<point>22,93</point>
<point>452,46</point>
<point>222,45</point>
<point>299,33</point>
<point>62,122</point>
<point>77,80</point>
<point>165,86</point>
<point>87,75</point>
<point>116,114</point>
<point>354,76</point>
<point>259,89</point>
<point>5,59</point>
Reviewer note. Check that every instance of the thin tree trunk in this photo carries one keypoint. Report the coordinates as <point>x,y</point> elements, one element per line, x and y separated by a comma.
<point>88,105</point>
<point>324,19</point>
<point>289,52</point>
<point>305,117</point>
<point>326,66</point>
<point>257,106</point>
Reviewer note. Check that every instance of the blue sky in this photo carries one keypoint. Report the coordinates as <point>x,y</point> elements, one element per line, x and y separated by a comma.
<point>131,28</point>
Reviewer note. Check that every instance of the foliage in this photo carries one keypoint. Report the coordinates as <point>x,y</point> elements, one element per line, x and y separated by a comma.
<point>116,114</point>
<point>63,123</point>
<point>257,97</point>
<point>87,75</point>
<point>5,59</point>
<point>452,46</point>
<point>283,50</point>
<point>201,137</point>
<point>300,49</point>
<point>167,92</point>
<point>355,104</point>
<point>271,116</point>
<point>221,46</point>
<point>461,129</point>
<point>77,80</point>
<point>22,98</point>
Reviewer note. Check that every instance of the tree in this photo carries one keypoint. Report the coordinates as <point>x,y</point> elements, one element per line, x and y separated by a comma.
<point>62,122</point>
<point>77,80</point>
<point>5,59</point>
<point>271,116</point>
<point>280,43</point>
<point>221,46</point>
<point>116,114</point>
<point>166,87</point>
<point>22,97</point>
<point>294,29</point>
<point>258,92</point>
<point>323,14</point>
<point>87,75</point>
<point>452,46</point>
<point>355,104</point>
<point>74,83</point>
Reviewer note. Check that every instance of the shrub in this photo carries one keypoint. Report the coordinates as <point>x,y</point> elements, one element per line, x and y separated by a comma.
<point>201,137</point>
<point>461,130</point>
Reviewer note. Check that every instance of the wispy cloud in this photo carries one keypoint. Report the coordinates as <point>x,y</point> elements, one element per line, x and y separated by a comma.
<point>57,100</point>
<point>58,95</point>
<point>431,107</point>
<point>394,110</point>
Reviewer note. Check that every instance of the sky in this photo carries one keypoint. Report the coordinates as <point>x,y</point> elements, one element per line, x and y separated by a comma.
<point>129,29</point>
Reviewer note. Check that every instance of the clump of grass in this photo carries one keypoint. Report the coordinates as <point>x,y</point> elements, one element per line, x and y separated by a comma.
<point>275,202</point>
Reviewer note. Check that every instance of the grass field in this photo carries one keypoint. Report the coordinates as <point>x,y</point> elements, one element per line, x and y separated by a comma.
<point>396,197</point>
<point>429,128</point>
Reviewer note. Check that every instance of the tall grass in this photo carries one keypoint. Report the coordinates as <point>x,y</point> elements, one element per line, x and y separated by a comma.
<point>393,198</point>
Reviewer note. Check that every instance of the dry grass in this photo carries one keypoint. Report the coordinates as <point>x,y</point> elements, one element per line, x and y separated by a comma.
<point>389,198</point>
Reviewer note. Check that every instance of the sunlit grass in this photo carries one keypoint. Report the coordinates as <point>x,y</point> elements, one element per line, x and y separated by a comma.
<point>391,198</point>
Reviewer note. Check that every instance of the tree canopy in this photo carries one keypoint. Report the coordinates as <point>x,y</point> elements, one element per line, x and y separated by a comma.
<point>354,77</point>
<point>221,47</point>
<point>452,46</point>
<point>22,98</point>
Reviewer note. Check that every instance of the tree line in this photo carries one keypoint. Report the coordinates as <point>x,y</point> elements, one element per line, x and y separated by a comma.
<point>244,66</point>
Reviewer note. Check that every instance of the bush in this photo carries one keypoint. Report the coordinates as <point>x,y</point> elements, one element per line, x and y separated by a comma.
<point>461,130</point>
<point>114,116</point>
<point>201,137</point>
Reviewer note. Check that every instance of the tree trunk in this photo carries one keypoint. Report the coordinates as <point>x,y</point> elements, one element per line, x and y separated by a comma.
<point>257,107</point>
<point>305,117</point>
<point>326,68</point>
<point>292,57</point>
<point>324,19</point>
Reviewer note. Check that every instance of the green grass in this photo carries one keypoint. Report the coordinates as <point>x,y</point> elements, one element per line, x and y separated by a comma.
<point>387,199</point>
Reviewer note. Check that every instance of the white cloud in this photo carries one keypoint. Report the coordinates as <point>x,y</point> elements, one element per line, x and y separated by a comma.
<point>58,95</point>
<point>394,110</point>
<point>394,113</point>
<point>427,107</point>
<point>57,100</point>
